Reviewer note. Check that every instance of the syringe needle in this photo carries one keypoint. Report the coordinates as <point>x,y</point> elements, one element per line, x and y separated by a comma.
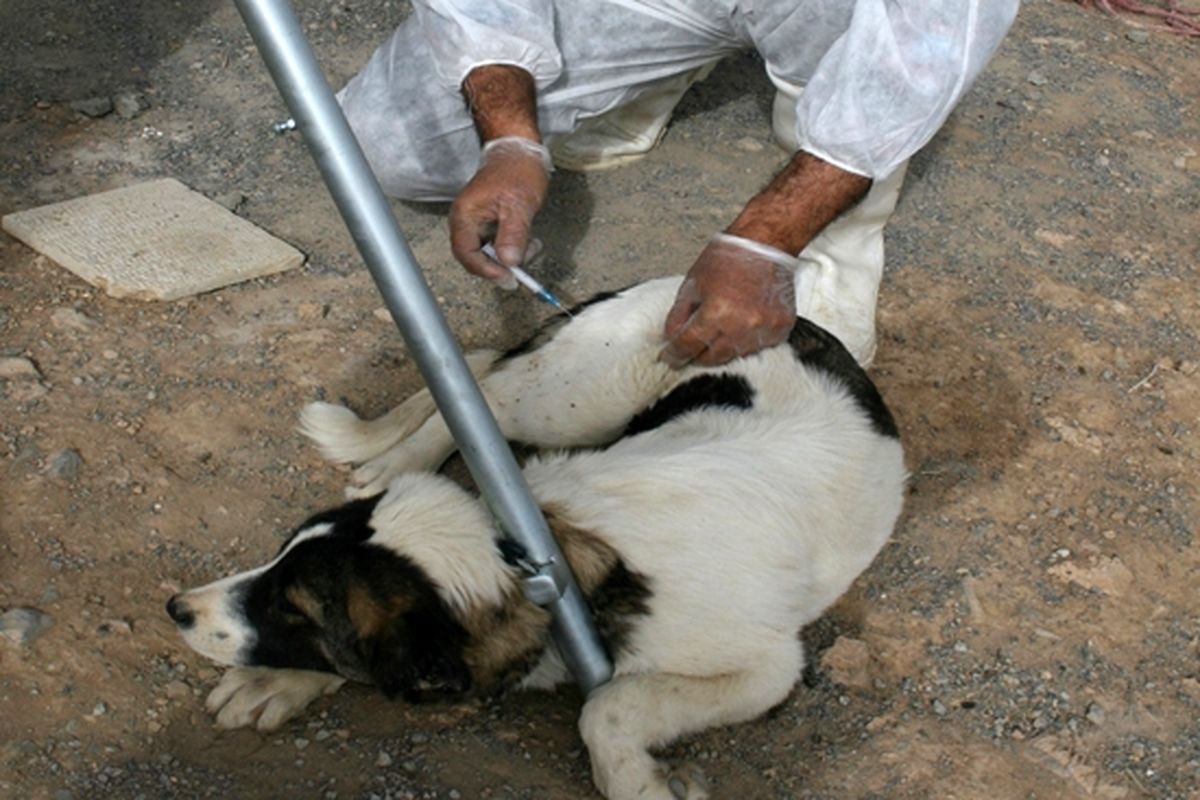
<point>542,292</point>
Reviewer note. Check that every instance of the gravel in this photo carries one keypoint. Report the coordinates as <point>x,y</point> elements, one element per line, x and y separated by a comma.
<point>981,664</point>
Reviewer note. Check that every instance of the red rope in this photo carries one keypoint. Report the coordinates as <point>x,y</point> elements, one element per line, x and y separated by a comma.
<point>1181,21</point>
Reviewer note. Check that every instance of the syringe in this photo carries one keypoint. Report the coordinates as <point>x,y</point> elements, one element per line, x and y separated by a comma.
<point>524,278</point>
<point>542,292</point>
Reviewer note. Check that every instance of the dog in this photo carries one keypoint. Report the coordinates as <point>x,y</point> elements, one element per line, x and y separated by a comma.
<point>707,514</point>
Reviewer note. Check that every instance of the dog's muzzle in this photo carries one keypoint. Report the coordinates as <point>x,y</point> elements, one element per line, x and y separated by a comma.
<point>178,611</point>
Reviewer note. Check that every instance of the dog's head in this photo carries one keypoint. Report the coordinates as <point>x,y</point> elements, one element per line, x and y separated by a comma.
<point>332,600</point>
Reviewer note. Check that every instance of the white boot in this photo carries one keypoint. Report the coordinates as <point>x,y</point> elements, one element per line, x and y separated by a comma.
<point>626,133</point>
<point>837,284</point>
<point>783,112</point>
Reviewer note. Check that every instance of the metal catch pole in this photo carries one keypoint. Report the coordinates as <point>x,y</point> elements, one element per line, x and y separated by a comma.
<point>298,76</point>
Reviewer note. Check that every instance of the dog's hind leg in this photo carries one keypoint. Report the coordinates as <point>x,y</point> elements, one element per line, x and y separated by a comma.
<point>344,438</point>
<point>526,396</point>
<point>632,714</point>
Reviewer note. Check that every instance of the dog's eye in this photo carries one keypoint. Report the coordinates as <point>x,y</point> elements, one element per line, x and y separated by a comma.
<point>292,614</point>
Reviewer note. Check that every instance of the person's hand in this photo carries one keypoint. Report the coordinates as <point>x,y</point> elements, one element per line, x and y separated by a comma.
<point>738,298</point>
<point>498,205</point>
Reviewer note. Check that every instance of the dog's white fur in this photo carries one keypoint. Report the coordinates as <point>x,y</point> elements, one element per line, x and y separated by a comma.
<point>747,524</point>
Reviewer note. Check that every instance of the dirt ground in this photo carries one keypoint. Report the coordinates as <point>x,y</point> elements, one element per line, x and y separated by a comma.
<point>1031,631</point>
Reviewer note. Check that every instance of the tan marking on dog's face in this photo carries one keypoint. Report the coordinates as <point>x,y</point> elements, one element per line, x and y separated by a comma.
<point>365,614</point>
<point>369,616</point>
<point>304,600</point>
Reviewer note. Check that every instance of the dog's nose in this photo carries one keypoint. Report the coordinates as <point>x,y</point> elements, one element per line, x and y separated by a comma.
<point>178,611</point>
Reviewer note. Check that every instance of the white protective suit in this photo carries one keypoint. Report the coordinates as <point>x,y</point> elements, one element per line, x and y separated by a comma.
<point>863,84</point>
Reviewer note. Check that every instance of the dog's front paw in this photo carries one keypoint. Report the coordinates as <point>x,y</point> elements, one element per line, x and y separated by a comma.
<point>687,782</point>
<point>266,698</point>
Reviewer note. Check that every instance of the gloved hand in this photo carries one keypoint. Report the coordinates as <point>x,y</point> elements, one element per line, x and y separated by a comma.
<point>738,298</point>
<point>499,205</point>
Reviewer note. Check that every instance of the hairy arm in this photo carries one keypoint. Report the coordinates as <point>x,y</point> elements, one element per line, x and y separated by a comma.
<point>500,202</point>
<point>803,198</point>
<point>503,102</point>
<point>739,298</point>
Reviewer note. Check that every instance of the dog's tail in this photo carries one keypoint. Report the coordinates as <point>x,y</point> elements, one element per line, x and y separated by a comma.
<point>344,438</point>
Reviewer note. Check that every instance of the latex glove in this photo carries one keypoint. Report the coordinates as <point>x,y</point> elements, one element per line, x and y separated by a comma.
<point>738,298</point>
<point>498,205</point>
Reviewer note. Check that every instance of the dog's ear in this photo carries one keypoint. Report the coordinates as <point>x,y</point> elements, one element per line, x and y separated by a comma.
<point>418,655</point>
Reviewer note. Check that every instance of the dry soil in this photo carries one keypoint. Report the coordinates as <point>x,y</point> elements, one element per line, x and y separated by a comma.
<point>1031,631</point>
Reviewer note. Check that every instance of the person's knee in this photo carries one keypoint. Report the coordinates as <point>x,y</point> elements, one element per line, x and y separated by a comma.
<point>409,159</point>
<point>417,185</point>
<point>416,136</point>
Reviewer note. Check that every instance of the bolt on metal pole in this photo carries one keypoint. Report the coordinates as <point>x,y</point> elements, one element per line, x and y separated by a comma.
<point>298,76</point>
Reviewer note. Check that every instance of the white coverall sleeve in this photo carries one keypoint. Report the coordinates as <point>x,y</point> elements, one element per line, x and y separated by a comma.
<point>888,83</point>
<point>465,34</point>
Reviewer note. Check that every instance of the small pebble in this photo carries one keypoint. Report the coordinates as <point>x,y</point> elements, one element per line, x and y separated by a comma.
<point>24,626</point>
<point>92,106</point>
<point>1037,78</point>
<point>301,744</point>
<point>230,200</point>
<point>17,367</point>
<point>384,760</point>
<point>70,319</point>
<point>129,104</point>
<point>939,708</point>
<point>749,144</point>
<point>311,312</point>
<point>65,466</point>
<point>1138,36</point>
<point>177,690</point>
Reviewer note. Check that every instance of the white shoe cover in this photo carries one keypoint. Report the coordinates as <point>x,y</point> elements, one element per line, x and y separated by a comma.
<point>625,133</point>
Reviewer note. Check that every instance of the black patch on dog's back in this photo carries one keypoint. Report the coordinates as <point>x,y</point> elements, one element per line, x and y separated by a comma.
<point>818,348</point>
<point>723,390</point>
<point>552,326</point>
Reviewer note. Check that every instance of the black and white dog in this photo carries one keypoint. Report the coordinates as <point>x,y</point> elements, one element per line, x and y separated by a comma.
<point>707,513</point>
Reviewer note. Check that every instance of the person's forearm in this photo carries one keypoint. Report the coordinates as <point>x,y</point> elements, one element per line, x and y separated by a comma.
<point>503,102</point>
<point>797,205</point>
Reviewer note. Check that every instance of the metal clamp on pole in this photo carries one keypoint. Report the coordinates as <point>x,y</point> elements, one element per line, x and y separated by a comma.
<point>361,202</point>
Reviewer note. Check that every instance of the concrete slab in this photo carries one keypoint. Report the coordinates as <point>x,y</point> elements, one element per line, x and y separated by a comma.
<point>157,240</point>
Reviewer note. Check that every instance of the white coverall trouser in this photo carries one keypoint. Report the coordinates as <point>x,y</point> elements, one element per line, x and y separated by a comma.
<point>422,144</point>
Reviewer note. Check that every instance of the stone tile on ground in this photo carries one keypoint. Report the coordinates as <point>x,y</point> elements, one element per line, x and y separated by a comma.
<point>157,240</point>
